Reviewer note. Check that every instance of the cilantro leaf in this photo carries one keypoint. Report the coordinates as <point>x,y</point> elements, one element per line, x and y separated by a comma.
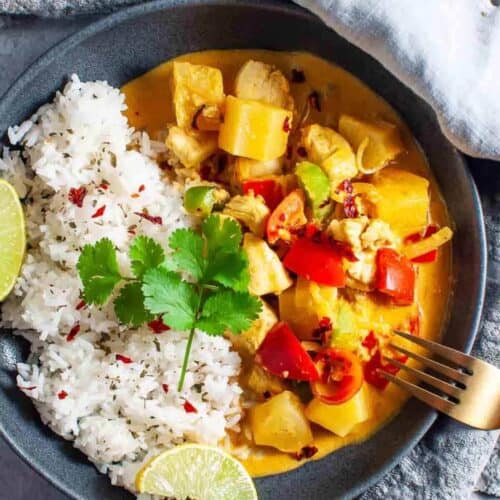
<point>230,270</point>
<point>145,254</point>
<point>165,293</point>
<point>222,234</point>
<point>187,253</point>
<point>228,311</point>
<point>129,305</point>
<point>99,273</point>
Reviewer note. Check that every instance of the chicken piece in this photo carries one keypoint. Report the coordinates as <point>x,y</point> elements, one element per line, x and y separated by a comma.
<point>260,381</point>
<point>251,211</point>
<point>262,82</point>
<point>267,273</point>
<point>191,147</point>
<point>250,340</point>
<point>363,270</point>
<point>378,234</point>
<point>195,86</point>
<point>245,168</point>
<point>349,231</point>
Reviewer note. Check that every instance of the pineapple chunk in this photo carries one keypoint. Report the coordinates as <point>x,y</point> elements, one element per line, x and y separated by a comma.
<point>262,82</point>
<point>244,168</point>
<point>303,306</point>
<point>261,381</point>
<point>191,147</point>
<point>195,86</point>
<point>403,200</point>
<point>329,149</point>
<point>376,142</point>
<point>251,211</point>
<point>341,419</point>
<point>254,130</point>
<point>267,273</point>
<point>250,340</point>
<point>280,422</point>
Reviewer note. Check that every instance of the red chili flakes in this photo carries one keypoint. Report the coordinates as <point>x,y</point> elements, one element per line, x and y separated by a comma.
<point>350,208</point>
<point>345,250</point>
<point>370,341</point>
<point>325,322</point>
<point>165,388</point>
<point>301,151</point>
<point>298,76</point>
<point>77,195</point>
<point>62,394</point>
<point>154,219</point>
<point>99,212</point>
<point>142,187</point>
<point>157,326</point>
<point>73,332</point>
<point>324,326</point>
<point>286,125</point>
<point>314,100</point>
<point>306,452</point>
<point>346,186</point>
<point>80,305</point>
<point>189,408</point>
<point>414,325</point>
<point>104,185</point>
<point>311,230</point>
<point>124,359</point>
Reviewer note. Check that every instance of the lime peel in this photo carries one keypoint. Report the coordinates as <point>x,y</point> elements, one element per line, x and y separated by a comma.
<point>12,237</point>
<point>196,471</point>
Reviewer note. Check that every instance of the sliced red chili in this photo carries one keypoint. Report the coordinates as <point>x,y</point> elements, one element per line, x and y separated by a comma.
<point>376,364</point>
<point>395,276</point>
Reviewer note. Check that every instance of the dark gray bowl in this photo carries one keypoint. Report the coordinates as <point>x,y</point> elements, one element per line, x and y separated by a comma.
<point>134,40</point>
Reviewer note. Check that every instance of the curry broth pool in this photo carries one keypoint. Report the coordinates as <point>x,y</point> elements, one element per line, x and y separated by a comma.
<point>150,108</point>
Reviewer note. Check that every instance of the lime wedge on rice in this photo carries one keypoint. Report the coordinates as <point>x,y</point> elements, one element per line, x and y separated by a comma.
<point>197,472</point>
<point>12,237</point>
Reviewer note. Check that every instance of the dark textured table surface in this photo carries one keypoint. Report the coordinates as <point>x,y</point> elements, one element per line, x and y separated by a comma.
<point>22,40</point>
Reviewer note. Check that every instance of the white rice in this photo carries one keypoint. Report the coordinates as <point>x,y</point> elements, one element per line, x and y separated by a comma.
<point>119,414</point>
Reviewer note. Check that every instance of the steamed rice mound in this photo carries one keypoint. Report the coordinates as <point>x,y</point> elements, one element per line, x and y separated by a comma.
<point>111,390</point>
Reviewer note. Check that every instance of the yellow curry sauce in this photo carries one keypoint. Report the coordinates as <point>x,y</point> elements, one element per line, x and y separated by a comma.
<point>149,102</point>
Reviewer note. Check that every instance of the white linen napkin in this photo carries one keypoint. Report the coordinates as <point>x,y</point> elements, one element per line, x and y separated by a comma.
<point>446,51</point>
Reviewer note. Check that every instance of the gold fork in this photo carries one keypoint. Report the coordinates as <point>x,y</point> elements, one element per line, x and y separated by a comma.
<point>470,393</point>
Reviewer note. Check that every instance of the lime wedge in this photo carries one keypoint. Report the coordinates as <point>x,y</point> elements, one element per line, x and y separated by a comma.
<point>197,472</point>
<point>12,237</point>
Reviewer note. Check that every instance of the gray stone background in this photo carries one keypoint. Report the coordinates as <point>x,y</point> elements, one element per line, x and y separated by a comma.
<point>22,40</point>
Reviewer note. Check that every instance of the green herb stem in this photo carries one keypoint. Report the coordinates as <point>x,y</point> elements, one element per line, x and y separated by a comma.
<point>187,352</point>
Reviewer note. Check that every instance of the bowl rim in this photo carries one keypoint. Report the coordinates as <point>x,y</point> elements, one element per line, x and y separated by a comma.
<point>129,13</point>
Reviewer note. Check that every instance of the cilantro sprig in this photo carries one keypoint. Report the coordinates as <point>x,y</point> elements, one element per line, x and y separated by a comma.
<point>201,285</point>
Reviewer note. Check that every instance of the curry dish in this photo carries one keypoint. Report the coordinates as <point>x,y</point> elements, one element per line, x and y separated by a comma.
<point>345,235</point>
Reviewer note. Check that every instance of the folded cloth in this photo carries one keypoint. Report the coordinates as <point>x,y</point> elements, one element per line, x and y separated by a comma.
<point>447,52</point>
<point>411,39</point>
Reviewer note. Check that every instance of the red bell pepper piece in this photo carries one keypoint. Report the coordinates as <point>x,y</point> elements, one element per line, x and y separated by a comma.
<point>318,262</point>
<point>395,276</point>
<point>429,256</point>
<point>269,189</point>
<point>282,354</point>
